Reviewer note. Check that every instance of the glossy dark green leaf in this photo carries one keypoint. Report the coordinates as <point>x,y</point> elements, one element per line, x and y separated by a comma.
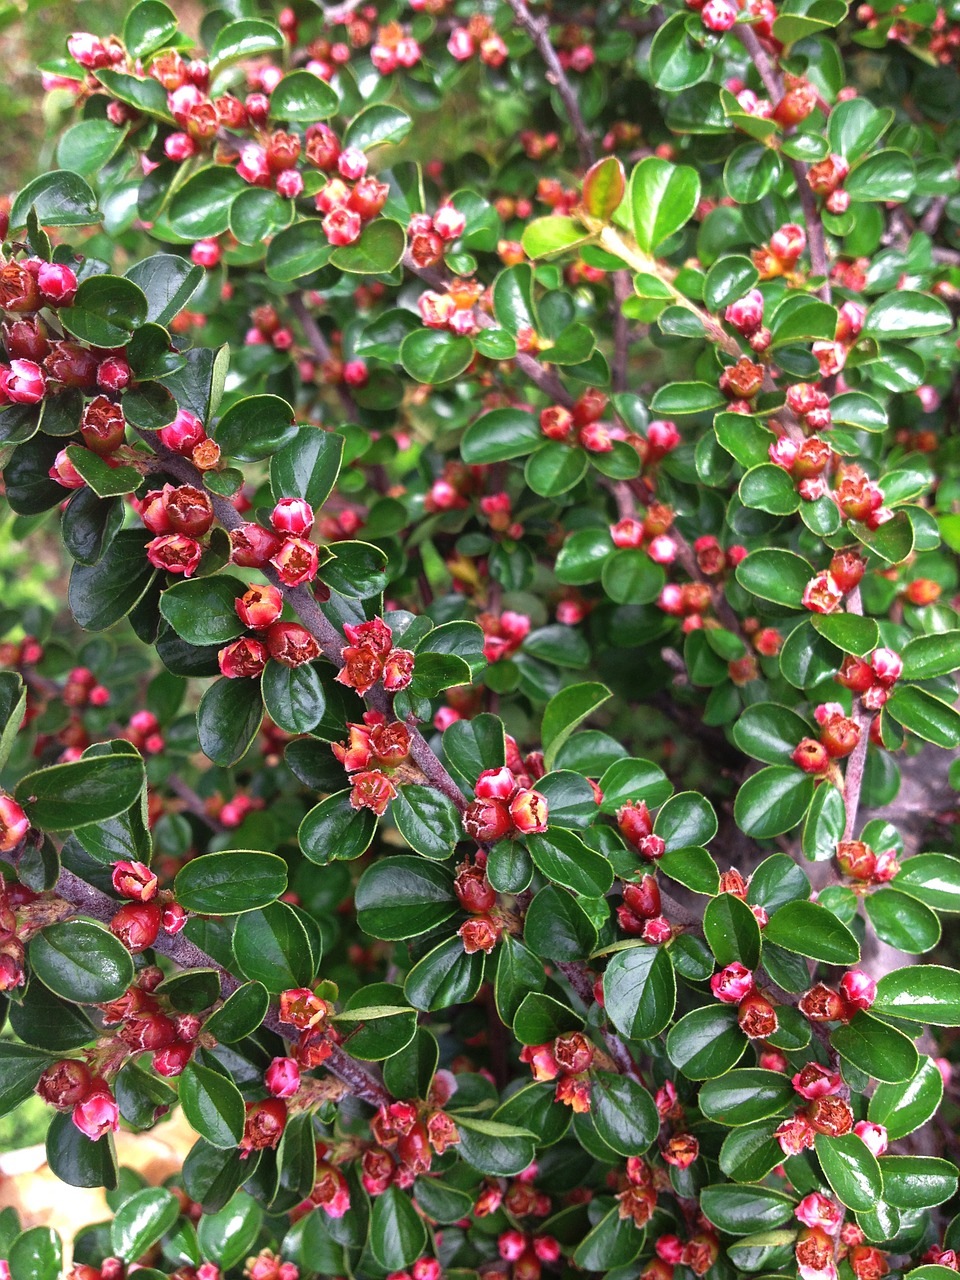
<point>212,1104</point>
<point>81,961</point>
<point>231,882</point>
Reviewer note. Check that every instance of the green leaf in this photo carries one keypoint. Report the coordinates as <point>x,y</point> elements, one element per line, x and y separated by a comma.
<point>732,931</point>
<point>20,1069</point>
<point>629,576</point>
<point>142,93</point>
<point>800,318</point>
<point>403,897</point>
<point>377,1022</point>
<point>203,610</point>
<point>563,857</point>
<point>427,820</point>
<point>77,1161</point>
<point>149,25</point>
<point>741,1210</point>
<point>612,1243</point>
<point>557,928</point>
<point>623,1111</point>
<point>518,974</point>
<point>60,198</point>
<point>293,696</point>
<point>106,311</point>
<point>445,976</point>
<point>500,1150</point>
<point>36,1254</point>
<point>778,576</point>
<point>925,715</point>
<point>500,435</point>
<point>769,488</point>
<point>89,145</point>
<point>922,993</point>
<point>678,398</point>
<point>876,1048</point>
<point>808,929</point>
<point>773,801</point>
<point>706,1042</point>
<point>555,468</point>
<point>564,712</point>
<point>247,38</point>
<point>307,466</point>
<point>850,632</point>
<point>917,1182</point>
<point>222,884</point>
<point>640,991</point>
<point>904,1106</point>
<point>471,746</point>
<point>433,356</point>
<point>397,1232</point>
<point>541,1018</point>
<point>730,278</point>
<point>146,1216</point>
<point>885,175</point>
<point>377,252</point>
<point>212,1104</point>
<point>769,732</point>
<point>546,236</point>
<point>902,921</point>
<point>931,878</point>
<point>851,1169</point>
<point>228,718</point>
<point>240,1014</point>
<point>663,197</point>
<point>81,961</point>
<point>303,98</point>
<point>201,207</point>
<point>93,789</point>
<point>687,818</point>
<point>632,779</point>
<point>297,251</point>
<point>746,1095</point>
<point>903,314</point>
<point>256,427</point>
<point>272,946</point>
<point>376,125</point>
<point>230,1234</point>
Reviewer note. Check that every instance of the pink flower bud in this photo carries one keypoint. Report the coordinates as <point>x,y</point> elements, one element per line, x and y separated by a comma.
<point>14,824</point>
<point>293,516</point>
<point>460,44</point>
<point>342,226</point>
<point>352,164</point>
<point>58,284</point>
<point>662,549</point>
<point>815,1210</point>
<point>183,434</point>
<point>289,183</point>
<point>719,15</point>
<point>873,1136</point>
<point>449,222</point>
<point>206,253</point>
<point>282,1077</point>
<point>858,989</point>
<point>253,166</point>
<point>65,473</point>
<point>746,315</point>
<point>663,436</point>
<point>179,147</point>
<point>887,666</point>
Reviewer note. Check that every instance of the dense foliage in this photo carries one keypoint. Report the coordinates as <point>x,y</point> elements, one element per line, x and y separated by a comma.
<point>508,460</point>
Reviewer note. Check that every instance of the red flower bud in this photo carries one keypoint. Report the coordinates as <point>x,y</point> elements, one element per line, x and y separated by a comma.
<point>480,933</point>
<point>264,1125</point>
<point>189,511</point>
<point>252,546</point>
<point>137,925</point>
<point>487,821</point>
<point>134,880</point>
<point>97,1114</point>
<point>258,607</point>
<point>296,561</point>
<point>175,553</point>
<point>291,644</point>
<point>65,1083</point>
<point>757,1017</point>
<point>242,659</point>
<point>14,824</point>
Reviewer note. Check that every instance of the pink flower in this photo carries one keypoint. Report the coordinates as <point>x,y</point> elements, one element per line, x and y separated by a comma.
<point>253,166</point>
<point>23,382</point>
<point>873,1136</point>
<point>460,44</point>
<point>352,163</point>
<point>732,983</point>
<point>816,1210</point>
<point>887,665</point>
<point>342,226</point>
<point>719,15</point>
<point>815,1081</point>
<point>822,594</point>
<point>97,1114</point>
<point>449,222</point>
<point>662,549</point>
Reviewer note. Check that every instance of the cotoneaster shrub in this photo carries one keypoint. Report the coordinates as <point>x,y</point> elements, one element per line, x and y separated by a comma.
<point>492,767</point>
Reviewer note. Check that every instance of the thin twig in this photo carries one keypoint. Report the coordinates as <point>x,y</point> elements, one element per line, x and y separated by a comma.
<point>91,902</point>
<point>538,30</point>
<point>773,84</point>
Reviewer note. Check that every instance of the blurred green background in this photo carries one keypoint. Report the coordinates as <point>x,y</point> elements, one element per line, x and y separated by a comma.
<point>31,32</point>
